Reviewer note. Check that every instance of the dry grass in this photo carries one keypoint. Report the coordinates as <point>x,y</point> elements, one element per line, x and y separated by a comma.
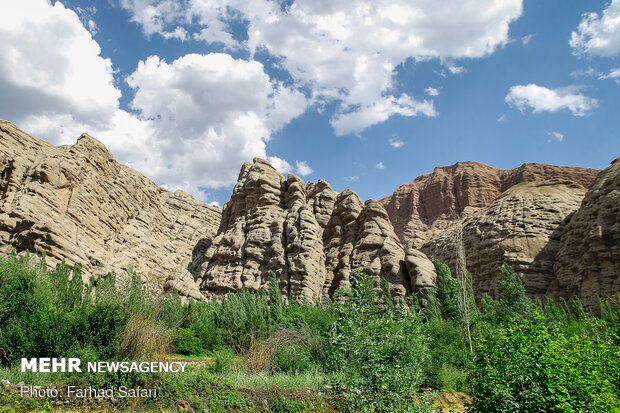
<point>144,336</point>
<point>260,356</point>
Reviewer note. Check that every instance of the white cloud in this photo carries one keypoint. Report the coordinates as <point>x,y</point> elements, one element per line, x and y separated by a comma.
<point>526,39</point>
<point>454,69</point>
<point>613,74</point>
<point>598,35</point>
<point>555,136</point>
<point>380,165</point>
<point>51,71</point>
<point>199,117</point>
<point>587,72</point>
<point>280,164</point>
<point>342,50</point>
<point>542,99</point>
<point>302,168</point>
<point>501,118</point>
<point>431,91</point>
<point>395,142</point>
<point>211,113</point>
<point>351,178</point>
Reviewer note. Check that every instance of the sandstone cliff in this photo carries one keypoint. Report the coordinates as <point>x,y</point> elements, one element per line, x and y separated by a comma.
<point>431,203</point>
<point>588,260</point>
<point>522,228</point>
<point>78,204</point>
<point>311,237</point>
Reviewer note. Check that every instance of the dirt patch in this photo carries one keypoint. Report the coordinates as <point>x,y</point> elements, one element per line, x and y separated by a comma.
<point>452,402</point>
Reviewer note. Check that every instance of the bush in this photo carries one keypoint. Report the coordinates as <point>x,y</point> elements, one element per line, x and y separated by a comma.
<point>380,353</point>
<point>293,359</point>
<point>187,343</point>
<point>226,360</point>
<point>530,368</point>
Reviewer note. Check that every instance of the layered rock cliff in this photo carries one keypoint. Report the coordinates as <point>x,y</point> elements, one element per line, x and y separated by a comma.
<point>77,204</point>
<point>522,228</point>
<point>588,261</point>
<point>421,209</point>
<point>311,237</point>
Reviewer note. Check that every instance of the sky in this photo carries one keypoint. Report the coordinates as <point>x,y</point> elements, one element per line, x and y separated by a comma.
<point>365,94</point>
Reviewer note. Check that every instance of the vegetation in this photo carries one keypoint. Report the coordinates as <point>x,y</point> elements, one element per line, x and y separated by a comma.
<point>359,352</point>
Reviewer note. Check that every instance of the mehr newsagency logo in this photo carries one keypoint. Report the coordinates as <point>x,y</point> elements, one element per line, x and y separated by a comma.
<point>74,365</point>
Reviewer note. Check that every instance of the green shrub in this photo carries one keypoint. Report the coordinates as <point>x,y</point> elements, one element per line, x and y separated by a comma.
<point>530,368</point>
<point>281,405</point>
<point>226,360</point>
<point>380,353</point>
<point>185,342</point>
<point>293,359</point>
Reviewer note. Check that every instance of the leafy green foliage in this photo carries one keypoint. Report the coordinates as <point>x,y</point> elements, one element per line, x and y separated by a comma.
<point>380,352</point>
<point>531,368</point>
<point>529,355</point>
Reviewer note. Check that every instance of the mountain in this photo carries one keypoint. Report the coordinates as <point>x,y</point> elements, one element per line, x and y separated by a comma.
<point>588,260</point>
<point>559,227</point>
<point>431,203</point>
<point>77,204</point>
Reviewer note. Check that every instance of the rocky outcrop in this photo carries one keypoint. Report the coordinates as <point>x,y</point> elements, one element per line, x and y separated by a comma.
<point>421,209</point>
<point>588,261</point>
<point>522,228</point>
<point>77,204</point>
<point>311,237</point>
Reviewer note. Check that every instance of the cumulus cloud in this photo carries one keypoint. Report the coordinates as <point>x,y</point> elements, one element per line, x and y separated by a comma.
<point>342,50</point>
<point>598,35</point>
<point>542,99</point>
<point>555,136</point>
<point>211,113</point>
<point>380,165</point>
<point>51,71</point>
<point>351,178</point>
<point>395,142</point>
<point>193,121</point>
<point>302,168</point>
<point>280,164</point>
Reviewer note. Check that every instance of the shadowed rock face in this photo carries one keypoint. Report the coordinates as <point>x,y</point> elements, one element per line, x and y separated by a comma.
<point>588,261</point>
<point>310,236</point>
<point>421,209</point>
<point>521,228</point>
<point>77,204</point>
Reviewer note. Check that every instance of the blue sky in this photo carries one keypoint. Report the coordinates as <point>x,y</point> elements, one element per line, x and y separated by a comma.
<point>366,95</point>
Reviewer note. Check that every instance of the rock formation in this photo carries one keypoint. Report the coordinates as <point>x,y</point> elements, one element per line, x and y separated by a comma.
<point>311,237</point>
<point>588,261</point>
<point>78,204</point>
<point>421,209</point>
<point>522,228</point>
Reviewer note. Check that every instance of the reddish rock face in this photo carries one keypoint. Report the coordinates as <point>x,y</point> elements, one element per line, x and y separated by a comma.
<point>421,209</point>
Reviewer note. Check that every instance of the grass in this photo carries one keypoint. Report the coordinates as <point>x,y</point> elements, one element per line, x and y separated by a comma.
<point>311,379</point>
<point>14,376</point>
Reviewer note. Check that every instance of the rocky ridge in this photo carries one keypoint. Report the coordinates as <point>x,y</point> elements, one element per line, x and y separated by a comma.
<point>76,203</point>
<point>522,228</point>
<point>311,237</point>
<point>423,208</point>
<point>588,260</point>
